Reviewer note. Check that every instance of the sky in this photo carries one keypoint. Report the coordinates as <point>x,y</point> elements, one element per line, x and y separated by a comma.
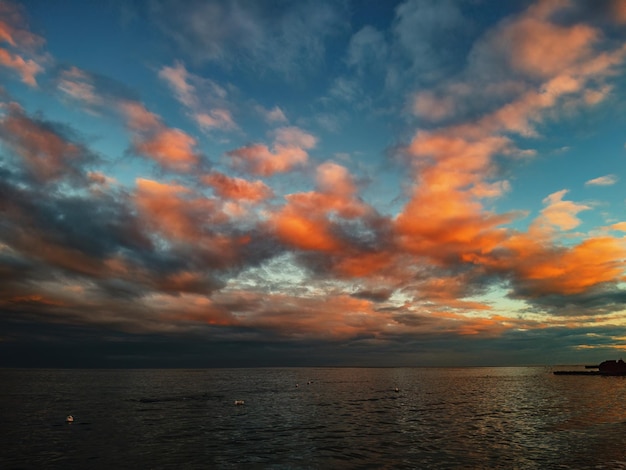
<point>312,183</point>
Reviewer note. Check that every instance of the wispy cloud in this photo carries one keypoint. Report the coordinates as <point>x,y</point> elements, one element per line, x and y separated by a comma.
<point>205,100</point>
<point>607,180</point>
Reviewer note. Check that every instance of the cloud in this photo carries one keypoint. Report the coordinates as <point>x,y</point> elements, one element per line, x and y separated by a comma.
<point>559,213</point>
<point>27,69</point>
<point>367,48</point>
<point>78,85</point>
<point>175,212</point>
<point>289,151</point>
<point>237,188</point>
<point>333,231</point>
<point>204,99</point>
<point>273,116</point>
<point>95,92</point>
<point>286,39</point>
<point>607,180</point>
<point>42,148</point>
<point>14,32</point>
<point>172,148</point>
<point>418,26</point>
<point>456,163</point>
<point>224,260</point>
<point>542,271</point>
<point>177,78</point>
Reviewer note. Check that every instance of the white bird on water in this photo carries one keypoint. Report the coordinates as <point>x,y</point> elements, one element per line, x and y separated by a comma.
<point>69,419</point>
<point>239,402</point>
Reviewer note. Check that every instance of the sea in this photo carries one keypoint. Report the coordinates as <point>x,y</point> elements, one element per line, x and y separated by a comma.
<point>310,418</point>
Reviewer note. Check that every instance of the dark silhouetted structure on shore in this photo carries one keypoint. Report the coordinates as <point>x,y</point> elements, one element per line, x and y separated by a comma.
<point>610,367</point>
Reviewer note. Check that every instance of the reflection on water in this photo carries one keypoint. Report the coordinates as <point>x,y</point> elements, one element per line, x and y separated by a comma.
<point>312,418</point>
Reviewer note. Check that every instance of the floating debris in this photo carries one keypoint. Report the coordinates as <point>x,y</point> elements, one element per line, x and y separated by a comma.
<point>240,402</point>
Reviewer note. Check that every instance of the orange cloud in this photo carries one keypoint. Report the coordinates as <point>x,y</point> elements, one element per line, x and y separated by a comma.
<point>558,213</point>
<point>304,221</point>
<point>171,148</point>
<point>574,270</point>
<point>173,210</point>
<point>259,160</point>
<point>445,216</point>
<point>184,217</point>
<point>539,268</point>
<point>290,147</point>
<point>237,188</point>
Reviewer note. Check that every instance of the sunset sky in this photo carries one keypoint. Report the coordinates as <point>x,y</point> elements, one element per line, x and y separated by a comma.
<point>263,183</point>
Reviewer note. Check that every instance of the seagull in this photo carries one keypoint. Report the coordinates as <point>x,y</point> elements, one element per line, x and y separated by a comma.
<point>69,419</point>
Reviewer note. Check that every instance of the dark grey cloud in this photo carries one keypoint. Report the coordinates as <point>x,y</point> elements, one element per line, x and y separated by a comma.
<point>599,301</point>
<point>375,295</point>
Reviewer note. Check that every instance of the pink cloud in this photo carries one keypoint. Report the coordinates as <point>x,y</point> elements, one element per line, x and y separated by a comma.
<point>14,31</point>
<point>78,85</point>
<point>178,79</point>
<point>139,118</point>
<point>215,119</point>
<point>433,108</point>
<point>204,99</point>
<point>27,69</point>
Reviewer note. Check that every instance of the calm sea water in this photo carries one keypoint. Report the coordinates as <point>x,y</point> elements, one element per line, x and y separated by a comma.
<point>312,418</point>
